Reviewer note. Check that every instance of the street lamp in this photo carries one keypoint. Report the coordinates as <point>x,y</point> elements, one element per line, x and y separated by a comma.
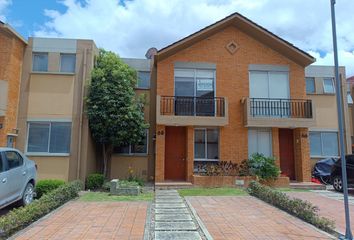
<point>348,232</point>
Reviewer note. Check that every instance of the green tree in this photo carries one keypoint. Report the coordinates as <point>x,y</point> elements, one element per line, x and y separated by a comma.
<point>115,113</point>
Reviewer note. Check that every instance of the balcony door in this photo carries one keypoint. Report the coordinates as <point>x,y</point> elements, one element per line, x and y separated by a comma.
<point>194,92</point>
<point>269,93</point>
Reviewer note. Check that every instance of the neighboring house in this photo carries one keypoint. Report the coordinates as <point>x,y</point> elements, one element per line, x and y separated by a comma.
<point>350,85</point>
<point>324,136</point>
<point>53,128</point>
<point>12,47</point>
<point>226,92</point>
<point>138,158</point>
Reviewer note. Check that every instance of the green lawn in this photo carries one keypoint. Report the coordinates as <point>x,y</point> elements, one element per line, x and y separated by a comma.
<point>291,190</point>
<point>224,191</point>
<point>106,197</point>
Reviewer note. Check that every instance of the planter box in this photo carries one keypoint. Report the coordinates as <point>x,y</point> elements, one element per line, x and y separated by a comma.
<point>280,182</point>
<point>222,181</point>
<point>127,191</point>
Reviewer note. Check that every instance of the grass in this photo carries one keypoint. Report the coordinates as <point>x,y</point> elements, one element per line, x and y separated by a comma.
<point>224,191</point>
<point>106,197</point>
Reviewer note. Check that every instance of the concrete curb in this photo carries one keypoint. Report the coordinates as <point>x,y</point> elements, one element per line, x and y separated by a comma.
<point>200,223</point>
<point>147,229</point>
<point>17,234</point>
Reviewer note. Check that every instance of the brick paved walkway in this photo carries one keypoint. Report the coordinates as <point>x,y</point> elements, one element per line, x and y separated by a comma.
<point>329,206</point>
<point>245,217</point>
<point>92,220</point>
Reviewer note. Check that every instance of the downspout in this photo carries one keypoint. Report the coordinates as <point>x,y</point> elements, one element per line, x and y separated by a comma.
<point>81,113</point>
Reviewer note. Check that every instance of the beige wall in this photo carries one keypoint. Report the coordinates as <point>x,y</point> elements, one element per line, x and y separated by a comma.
<point>325,111</point>
<point>52,167</point>
<point>120,165</point>
<point>50,96</point>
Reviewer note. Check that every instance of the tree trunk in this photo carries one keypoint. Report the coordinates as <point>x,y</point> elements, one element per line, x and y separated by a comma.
<point>107,154</point>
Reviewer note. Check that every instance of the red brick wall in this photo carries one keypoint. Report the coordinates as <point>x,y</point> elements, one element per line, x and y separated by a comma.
<point>232,81</point>
<point>11,57</point>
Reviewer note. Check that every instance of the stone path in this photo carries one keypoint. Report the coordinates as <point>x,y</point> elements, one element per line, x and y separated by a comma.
<point>173,219</point>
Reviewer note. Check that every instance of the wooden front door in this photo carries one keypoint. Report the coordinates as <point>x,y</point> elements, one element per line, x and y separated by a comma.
<point>175,153</point>
<point>286,147</point>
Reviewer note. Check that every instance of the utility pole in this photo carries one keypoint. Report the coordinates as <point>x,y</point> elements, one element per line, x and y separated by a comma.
<point>348,232</point>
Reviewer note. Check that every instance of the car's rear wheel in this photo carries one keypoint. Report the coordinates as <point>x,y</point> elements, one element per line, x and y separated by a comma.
<point>338,184</point>
<point>28,194</point>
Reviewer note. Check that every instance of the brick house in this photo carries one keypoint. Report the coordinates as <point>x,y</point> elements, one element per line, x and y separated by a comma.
<point>227,91</point>
<point>11,58</point>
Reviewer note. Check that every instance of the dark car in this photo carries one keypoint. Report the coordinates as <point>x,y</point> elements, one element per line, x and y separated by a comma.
<point>336,174</point>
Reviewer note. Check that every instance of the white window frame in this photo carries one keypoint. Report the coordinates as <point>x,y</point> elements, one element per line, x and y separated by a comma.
<point>321,142</point>
<point>130,153</point>
<point>323,84</point>
<point>206,146</point>
<point>50,126</point>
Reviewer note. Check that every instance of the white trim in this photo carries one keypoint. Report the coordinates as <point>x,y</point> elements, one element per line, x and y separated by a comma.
<point>40,154</point>
<point>323,85</point>
<point>49,120</point>
<point>323,130</point>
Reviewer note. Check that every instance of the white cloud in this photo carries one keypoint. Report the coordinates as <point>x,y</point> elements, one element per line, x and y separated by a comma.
<point>131,29</point>
<point>3,7</point>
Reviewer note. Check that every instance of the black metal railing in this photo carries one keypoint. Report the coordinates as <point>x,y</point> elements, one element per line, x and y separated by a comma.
<point>276,107</point>
<point>192,106</point>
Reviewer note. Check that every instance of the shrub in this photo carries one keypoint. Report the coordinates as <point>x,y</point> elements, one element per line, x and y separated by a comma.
<point>21,217</point>
<point>133,177</point>
<point>48,185</point>
<point>263,167</point>
<point>94,181</point>
<point>296,207</point>
<point>221,168</point>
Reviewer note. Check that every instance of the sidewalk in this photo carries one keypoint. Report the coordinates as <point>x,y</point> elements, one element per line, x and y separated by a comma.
<point>246,217</point>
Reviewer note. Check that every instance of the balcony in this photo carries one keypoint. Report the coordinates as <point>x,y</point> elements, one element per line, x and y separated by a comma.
<point>191,111</point>
<point>273,112</point>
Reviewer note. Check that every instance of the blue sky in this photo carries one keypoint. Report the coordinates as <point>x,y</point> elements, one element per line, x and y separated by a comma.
<point>131,27</point>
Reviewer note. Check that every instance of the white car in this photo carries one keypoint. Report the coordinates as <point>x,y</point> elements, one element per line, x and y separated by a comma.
<point>17,177</point>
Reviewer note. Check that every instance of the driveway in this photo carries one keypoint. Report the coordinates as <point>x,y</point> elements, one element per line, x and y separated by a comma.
<point>91,220</point>
<point>246,217</point>
<point>330,205</point>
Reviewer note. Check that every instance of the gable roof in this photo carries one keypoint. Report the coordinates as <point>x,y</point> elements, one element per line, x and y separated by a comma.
<point>249,27</point>
<point>12,31</point>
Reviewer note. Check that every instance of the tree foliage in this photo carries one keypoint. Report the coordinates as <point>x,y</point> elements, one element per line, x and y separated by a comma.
<point>115,113</point>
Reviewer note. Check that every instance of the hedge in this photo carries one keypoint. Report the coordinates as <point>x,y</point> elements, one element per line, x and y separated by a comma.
<point>94,181</point>
<point>19,218</point>
<point>294,206</point>
<point>47,185</point>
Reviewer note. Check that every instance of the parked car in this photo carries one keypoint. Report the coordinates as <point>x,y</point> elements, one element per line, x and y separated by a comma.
<point>322,170</point>
<point>336,174</point>
<point>17,177</point>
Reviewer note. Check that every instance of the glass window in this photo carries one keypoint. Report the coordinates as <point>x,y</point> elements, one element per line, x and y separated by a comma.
<point>60,136</point>
<point>38,137</point>
<point>206,144</point>
<point>324,143</point>
<point>143,79</point>
<point>328,85</point>
<point>13,159</point>
<point>49,137</point>
<point>310,85</point>
<point>40,62</point>
<point>1,164</point>
<point>140,148</point>
<point>260,141</point>
<point>67,63</point>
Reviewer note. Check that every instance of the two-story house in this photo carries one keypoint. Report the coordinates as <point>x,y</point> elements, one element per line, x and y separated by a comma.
<point>227,91</point>
<point>53,127</point>
<point>324,135</point>
<point>12,47</point>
